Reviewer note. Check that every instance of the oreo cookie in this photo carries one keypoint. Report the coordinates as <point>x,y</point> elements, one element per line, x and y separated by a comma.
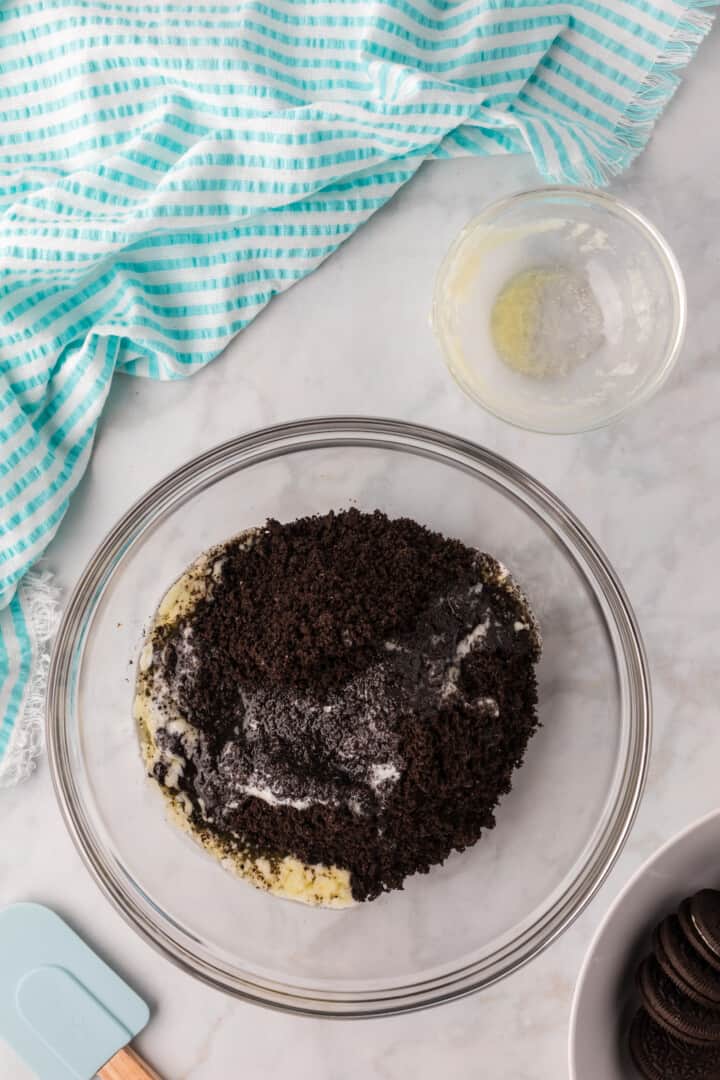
<point>658,1055</point>
<point>682,963</point>
<point>705,913</point>
<point>694,913</point>
<point>674,1010</point>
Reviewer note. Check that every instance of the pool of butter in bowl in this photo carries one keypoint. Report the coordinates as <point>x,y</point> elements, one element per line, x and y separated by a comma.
<point>325,886</point>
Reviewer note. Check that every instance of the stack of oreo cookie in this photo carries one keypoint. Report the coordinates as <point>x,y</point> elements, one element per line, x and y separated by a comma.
<point>676,1033</point>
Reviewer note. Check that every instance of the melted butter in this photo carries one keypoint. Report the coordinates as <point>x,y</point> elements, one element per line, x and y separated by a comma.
<point>546,321</point>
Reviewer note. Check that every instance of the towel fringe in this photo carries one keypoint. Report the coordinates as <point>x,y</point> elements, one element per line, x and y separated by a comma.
<point>637,122</point>
<point>41,600</point>
<point>633,129</point>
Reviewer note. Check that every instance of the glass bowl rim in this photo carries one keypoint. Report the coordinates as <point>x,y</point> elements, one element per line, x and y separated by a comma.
<point>619,208</point>
<point>242,452</point>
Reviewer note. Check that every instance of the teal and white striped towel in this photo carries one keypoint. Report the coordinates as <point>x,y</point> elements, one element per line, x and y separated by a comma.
<point>167,166</point>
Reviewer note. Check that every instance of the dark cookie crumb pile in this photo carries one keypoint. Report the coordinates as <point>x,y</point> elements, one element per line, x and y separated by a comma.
<point>376,677</point>
<point>311,602</point>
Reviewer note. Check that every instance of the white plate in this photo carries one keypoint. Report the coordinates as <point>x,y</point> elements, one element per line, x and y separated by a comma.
<point>605,998</point>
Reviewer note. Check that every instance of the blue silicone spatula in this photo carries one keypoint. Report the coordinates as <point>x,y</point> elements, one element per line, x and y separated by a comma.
<point>62,1009</point>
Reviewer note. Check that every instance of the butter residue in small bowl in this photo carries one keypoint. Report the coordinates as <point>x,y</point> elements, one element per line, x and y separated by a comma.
<point>545,321</point>
<point>559,310</point>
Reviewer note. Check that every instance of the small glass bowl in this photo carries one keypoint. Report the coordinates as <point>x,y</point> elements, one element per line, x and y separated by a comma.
<point>630,274</point>
<point>489,909</point>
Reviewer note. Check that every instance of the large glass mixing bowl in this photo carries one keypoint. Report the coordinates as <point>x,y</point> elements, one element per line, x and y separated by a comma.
<point>487,910</point>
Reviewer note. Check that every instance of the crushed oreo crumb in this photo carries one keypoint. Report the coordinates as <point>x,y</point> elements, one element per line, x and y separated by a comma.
<point>359,691</point>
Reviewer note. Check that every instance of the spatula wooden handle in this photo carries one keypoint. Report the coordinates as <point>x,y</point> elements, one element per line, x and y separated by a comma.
<point>126,1065</point>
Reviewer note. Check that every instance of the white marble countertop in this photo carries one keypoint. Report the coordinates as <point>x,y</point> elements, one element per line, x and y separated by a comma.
<point>354,338</point>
